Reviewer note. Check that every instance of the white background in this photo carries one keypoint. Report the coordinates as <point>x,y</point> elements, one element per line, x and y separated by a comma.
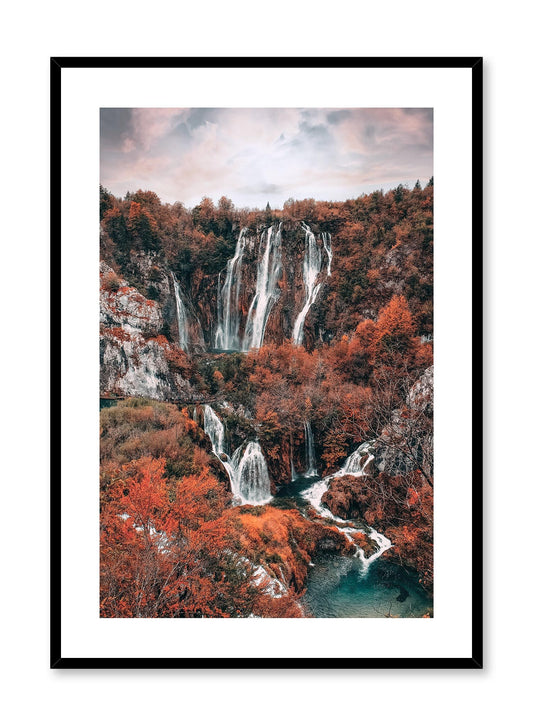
<point>448,92</point>
<point>34,694</point>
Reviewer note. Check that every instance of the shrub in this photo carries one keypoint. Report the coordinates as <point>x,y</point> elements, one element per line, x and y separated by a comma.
<point>111,282</point>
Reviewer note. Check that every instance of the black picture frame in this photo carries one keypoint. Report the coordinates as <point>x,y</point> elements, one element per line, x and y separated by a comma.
<point>57,64</point>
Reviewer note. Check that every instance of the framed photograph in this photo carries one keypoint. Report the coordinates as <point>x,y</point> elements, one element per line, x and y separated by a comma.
<point>266,448</point>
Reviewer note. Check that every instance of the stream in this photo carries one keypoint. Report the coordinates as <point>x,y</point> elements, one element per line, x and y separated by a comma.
<point>343,586</point>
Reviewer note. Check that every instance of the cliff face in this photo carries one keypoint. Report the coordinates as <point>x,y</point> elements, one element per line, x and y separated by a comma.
<point>261,292</point>
<point>273,280</point>
<point>135,360</point>
<point>406,443</point>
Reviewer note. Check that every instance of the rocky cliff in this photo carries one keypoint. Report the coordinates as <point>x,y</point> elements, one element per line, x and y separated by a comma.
<point>135,359</point>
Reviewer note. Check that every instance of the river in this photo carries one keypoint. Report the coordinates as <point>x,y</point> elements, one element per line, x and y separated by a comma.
<point>339,586</point>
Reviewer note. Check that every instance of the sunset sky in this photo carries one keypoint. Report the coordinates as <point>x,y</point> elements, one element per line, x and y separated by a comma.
<point>255,156</point>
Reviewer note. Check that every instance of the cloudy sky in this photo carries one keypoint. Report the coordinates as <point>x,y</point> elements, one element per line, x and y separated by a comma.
<point>255,156</point>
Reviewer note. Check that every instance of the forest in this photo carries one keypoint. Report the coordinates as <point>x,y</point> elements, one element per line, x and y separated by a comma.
<point>267,407</point>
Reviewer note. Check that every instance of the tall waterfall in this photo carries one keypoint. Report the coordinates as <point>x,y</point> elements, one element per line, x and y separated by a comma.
<point>326,240</point>
<point>183,334</point>
<point>310,450</point>
<point>311,269</point>
<point>227,333</point>
<point>247,470</point>
<point>266,289</point>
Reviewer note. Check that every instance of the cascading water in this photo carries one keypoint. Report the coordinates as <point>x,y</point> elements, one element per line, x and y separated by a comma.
<point>383,544</point>
<point>214,428</point>
<point>247,471</point>
<point>314,494</point>
<point>310,450</point>
<point>294,475</point>
<point>326,241</point>
<point>311,269</point>
<point>181,312</point>
<point>227,333</point>
<point>266,289</point>
<point>352,465</point>
<point>253,479</point>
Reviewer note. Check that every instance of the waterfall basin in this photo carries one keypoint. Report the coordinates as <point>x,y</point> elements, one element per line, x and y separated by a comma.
<point>337,588</point>
<point>345,586</point>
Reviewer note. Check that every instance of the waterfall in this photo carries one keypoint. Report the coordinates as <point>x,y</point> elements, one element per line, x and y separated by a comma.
<point>248,473</point>
<point>181,313</point>
<point>227,333</point>
<point>214,428</point>
<point>311,270</point>
<point>294,475</point>
<point>382,542</point>
<point>310,450</point>
<point>220,314</point>
<point>253,479</point>
<point>352,465</point>
<point>314,494</point>
<point>326,240</point>
<point>266,289</point>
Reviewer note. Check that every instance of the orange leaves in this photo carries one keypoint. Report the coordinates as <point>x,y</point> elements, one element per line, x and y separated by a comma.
<point>135,212</point>
<point>112,214</point>
<point>336,446</point>
<point>281,541</point>
<point>198,498</point>
<point>110,282</point>
<point>151,542</point>
<point>395,318</point>
<point>412,497</point>
<point>145,491</point>
<point>395,327</point>
<point>366,333</point>
<point>373,276</point>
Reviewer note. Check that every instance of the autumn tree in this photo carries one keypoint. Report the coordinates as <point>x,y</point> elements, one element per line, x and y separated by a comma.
<point>394,327</point>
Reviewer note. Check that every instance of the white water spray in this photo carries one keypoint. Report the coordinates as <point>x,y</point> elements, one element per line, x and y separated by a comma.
<point>214,428</point>
<point>383,544</point>
<point>311,269</point>
<point>294,475</point>
<point>326,240</point>
<point>181,312</point>
<point>310,450</point>
<point>266,289</point>
<point>247,469</point>
<point>314,494</point>
<point>227,333</point>
<point>252,476</point>
<point>352,465</point>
